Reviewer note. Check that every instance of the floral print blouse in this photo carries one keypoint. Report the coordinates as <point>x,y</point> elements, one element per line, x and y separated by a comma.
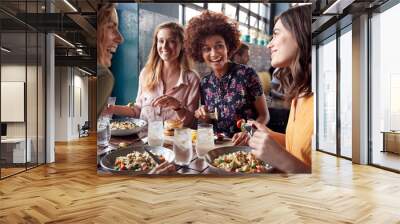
<point>233,95</point>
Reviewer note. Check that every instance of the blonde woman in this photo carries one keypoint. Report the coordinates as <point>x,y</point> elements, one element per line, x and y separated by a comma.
<point>168,87</point>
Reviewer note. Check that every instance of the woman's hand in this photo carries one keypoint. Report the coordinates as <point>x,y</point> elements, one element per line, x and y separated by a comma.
<point>108,111</point>
<point>167,102</point>
<point>268,150</point>
<point>129,111</point>
<point>262,142</point>
<point>241,138</point>
<point>163,168</point>
<point>201,114</point>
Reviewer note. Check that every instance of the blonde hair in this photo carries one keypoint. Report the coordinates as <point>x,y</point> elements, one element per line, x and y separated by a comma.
<point>103,16</point>
<point>153,67</point>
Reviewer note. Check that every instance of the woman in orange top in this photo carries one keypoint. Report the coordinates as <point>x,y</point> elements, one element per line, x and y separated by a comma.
<point>291,50</point>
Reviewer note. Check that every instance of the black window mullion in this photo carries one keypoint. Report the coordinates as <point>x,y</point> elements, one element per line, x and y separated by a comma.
<point>26,87</point>
<point>338,98</point>
<point>316,98</point>
<point>37,90</point>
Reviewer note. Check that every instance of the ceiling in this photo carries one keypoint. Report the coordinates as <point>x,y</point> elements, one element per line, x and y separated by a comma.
<point>33,17</point>
<point>332,15</point>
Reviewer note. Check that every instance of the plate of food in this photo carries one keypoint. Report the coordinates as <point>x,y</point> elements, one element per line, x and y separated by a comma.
<point>235,160</point>
<point>135,160</point>
<point>126,127</point>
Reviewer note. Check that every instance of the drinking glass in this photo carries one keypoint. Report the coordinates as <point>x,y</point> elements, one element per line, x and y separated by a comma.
<point>103,131</point>
<point>205,139</point>
<point>155,133</point>
<point>183,146</point>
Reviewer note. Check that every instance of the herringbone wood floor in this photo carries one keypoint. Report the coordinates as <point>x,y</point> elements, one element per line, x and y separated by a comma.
<point>70,191</point>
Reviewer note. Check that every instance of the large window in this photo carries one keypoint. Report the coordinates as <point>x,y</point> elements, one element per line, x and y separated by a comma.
<point>385,88</point>
<point>253,18</point>
<point>345,42</point>
<point>327,96</point>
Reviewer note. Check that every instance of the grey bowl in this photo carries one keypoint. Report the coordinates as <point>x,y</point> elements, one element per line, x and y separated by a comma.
<point>125,132</point>
<point>108,161</point>
<point>213,154</point>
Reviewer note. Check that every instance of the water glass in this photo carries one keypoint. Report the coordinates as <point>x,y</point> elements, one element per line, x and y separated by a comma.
<point>205,139</point>
<point>155,133</point>
<point>183,146</point>
<point>103,131</point>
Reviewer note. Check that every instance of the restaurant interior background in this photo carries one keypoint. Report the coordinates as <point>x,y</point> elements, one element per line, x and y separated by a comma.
<point>137,22</point>
<point>355,173</point>
<point>44,62</point>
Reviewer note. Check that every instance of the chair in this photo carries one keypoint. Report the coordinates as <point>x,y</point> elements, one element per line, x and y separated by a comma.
<point>84,130</point>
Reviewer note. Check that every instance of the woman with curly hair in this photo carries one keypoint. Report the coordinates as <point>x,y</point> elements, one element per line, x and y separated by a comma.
<point>231,89</point>
<point>290,51</point>
<point>168,87</point>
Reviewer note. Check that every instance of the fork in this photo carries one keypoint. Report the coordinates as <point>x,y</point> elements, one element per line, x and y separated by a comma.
<point>158,161</point>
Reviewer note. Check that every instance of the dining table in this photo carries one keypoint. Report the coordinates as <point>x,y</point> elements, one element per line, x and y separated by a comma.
<point>197,165</point>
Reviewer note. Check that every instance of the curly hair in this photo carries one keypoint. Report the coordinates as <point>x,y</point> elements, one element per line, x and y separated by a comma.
<point>208,24</point>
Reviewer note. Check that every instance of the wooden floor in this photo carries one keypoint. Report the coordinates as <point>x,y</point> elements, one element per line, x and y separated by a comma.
<point>70,191</point>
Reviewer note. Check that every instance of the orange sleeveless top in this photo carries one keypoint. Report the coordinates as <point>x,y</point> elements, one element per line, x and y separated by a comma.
<point>300,128</point>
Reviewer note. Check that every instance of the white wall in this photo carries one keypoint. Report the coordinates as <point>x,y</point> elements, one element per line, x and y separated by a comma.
<point>34,125</point>
<point>71,102</point>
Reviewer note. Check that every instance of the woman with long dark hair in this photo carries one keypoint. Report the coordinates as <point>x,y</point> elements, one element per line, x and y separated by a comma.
<point>291,51</point>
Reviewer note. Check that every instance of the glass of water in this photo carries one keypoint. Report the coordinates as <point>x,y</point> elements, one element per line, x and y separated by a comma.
<point>155,133</point>
<point>205,139</point>
<point>183,146</point>
<point>103,131</point>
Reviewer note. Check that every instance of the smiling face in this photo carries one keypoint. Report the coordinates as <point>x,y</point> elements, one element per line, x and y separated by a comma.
<point>168,45</point>
<point>215,53</point>
<point>283,47</point>
<point>111,39</point>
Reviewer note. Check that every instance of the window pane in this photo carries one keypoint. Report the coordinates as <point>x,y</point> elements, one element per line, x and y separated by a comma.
<point>230,11</point>
<point>385,88</point>
<point>13,83</point>
<point>262,26</point>
<point>253,21</point>
<point>263,10</point>
<point>216,7</point>
<point>243,30</point>
<point>245,5</point>
<point>346,94</point>
<point>199,4</point>
<point>327,97</point>
<point>254,7</point>
<point>243,17</point>
<point>189,13</point>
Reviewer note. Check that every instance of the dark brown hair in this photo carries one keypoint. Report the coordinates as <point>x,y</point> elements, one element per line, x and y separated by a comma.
<point>208,24</point>
<point>242,48</point>
<point>297,21</point>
